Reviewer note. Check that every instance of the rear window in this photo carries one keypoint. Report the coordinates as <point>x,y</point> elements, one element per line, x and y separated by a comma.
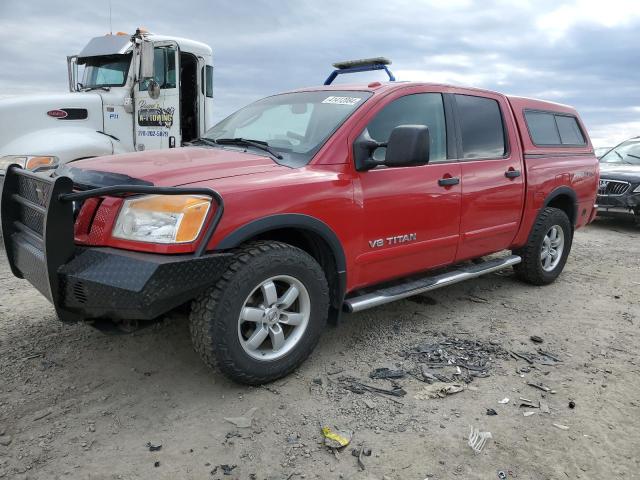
<point>552,129</point>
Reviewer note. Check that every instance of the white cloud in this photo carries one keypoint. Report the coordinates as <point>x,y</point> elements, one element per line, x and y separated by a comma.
<point>609,13</point>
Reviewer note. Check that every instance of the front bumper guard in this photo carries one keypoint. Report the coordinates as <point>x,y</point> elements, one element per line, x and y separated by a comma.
<point>83,283</point>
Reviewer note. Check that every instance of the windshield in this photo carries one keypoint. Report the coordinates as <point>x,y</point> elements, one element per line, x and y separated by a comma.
<point>105,71</point>
<point>293,125</point>
<point>627,152</point>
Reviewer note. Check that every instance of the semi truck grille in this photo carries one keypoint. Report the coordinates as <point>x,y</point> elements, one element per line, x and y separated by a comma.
<point>613,187</point>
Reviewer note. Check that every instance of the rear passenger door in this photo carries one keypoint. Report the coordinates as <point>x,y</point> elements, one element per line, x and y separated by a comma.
<point>492,174</point>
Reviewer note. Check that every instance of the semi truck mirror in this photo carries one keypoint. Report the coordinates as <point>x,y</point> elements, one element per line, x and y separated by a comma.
<point>146,60</point>
<point>408,146</point>
<point>363,148</point>
<point>154,89</point>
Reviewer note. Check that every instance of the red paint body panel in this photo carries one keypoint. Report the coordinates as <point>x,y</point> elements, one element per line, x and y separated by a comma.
<point>485,213</point>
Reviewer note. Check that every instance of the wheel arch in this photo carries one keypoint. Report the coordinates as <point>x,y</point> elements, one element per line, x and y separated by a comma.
<point>307,233</point>
<point>565,199</point>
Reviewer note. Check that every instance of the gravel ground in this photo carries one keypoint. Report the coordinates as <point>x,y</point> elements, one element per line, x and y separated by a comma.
<point>75,403</point>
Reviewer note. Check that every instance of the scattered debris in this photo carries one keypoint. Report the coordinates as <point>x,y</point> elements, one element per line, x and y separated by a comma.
<point>528,414</point>
<point>40,416</point>
<point>560,426</point>
<point>544,407</point>
<point>539,386</point>
<point>502,475</point>
<point>335,438</point>
<point>355,386</point>
<point>317,381</point>
<point>525,402</point>
<point>244,421</point>
<point>536,339</point>
<point>491,412</point>
<point>523,356</point>
<point>154,448</point>
<point>477,299</point>
<point>439,390</point>
<point>572,404</point>
<point>477,439</point>
<point>359,453</point>
<point>549,355</point>
<point>381,373</point>
<point>504,401</point>
<point>226,469</point>
<point>156,464</point>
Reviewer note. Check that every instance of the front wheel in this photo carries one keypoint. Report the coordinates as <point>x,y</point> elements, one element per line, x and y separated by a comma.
<point>546,252</point>
<point>264,316</point>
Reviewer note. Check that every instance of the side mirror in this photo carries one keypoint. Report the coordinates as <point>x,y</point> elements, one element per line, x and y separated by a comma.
<point>408,146</point>
<point>146,59</point>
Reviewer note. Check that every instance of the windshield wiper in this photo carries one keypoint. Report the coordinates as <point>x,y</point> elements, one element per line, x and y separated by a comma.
<point>253,143</point>
<point>96,87</point>
<point>208,141</point>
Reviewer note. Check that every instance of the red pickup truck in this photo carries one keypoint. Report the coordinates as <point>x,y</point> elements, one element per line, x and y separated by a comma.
<point>303,205</point>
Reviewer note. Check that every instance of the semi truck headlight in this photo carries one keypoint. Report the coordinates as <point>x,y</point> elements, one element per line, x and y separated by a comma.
<point>30,162</point>
<point>162,218</point>
<point>637,189</point>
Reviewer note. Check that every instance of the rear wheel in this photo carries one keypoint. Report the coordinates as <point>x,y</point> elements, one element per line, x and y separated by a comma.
<point>264,316</point>
<point>546,252</point>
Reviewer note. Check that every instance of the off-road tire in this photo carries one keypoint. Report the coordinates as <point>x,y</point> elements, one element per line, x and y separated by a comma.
<point>214,315</point>
<point>530,269</point>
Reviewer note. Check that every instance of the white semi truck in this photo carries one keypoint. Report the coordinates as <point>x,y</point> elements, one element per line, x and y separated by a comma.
<point>127,93</point>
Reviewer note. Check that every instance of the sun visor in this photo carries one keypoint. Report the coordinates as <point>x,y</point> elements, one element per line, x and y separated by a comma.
<point>107,45</point>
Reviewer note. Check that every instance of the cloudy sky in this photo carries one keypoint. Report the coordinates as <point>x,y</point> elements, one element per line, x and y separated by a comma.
<point>581,52</point>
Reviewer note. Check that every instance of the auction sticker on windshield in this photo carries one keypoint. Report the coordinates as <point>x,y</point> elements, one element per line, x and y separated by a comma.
<point>342,100</point>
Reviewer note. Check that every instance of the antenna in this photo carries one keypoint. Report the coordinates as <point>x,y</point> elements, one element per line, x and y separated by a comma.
<point>110,24</point>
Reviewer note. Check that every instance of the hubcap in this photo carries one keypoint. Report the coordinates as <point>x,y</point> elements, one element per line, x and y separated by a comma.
<point>274,318</point>
<point>552,248</point>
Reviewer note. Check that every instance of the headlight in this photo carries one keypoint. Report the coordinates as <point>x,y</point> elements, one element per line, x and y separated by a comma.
<point>637,189</point>
<point>30,162</point>
<point>162,218</point>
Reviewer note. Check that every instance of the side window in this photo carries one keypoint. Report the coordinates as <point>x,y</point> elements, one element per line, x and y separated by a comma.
<point>164,66</point>
<point>570,133</point>
<point>417,109</point>
<point>209,81</point>
<point>481,127</point>
<point>549,129</point>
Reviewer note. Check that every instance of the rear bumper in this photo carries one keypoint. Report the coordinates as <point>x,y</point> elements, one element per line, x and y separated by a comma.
<point>90,283</point>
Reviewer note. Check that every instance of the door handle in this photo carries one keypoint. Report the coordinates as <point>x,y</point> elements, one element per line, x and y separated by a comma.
<point>512,173</point>
<point>447,182</point>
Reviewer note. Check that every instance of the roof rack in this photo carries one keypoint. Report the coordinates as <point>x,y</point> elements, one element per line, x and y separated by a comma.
<point>363,65</point>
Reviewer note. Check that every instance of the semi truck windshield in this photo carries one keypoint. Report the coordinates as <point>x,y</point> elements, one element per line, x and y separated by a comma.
<point>105,71</point>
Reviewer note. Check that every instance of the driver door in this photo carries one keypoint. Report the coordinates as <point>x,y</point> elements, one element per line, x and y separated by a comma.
<point>157,121</point>
<point>411,214</point>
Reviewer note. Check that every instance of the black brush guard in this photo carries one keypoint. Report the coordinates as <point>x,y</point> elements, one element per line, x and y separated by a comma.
<point>88,283</point>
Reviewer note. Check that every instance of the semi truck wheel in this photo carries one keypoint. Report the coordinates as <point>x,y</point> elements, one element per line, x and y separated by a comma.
<point>264,316</point>
<point>544,256</point>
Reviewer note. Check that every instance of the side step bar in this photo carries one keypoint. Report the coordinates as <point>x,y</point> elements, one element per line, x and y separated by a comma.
<point>415,287</point>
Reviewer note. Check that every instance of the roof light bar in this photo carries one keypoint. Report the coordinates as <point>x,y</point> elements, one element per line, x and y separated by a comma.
<point>363,65</point>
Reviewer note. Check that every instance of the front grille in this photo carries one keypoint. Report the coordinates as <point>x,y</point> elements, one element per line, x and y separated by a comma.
<point>613,187</point>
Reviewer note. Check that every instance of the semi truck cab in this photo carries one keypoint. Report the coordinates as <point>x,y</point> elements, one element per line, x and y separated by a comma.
<point>126,93</point>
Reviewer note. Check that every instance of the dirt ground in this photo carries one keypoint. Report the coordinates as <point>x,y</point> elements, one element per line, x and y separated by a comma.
<point>75,403</point>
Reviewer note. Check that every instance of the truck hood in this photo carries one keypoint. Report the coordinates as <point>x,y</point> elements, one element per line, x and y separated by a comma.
<point>23,115</point>
<point>167,168</point>
<point>620,171</point>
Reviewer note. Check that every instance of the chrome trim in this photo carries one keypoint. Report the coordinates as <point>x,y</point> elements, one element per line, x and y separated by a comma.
<point>416,287</point>
<point>603,185</point>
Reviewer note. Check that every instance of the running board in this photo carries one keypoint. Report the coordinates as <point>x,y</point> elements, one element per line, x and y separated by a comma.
<point>415,287</point>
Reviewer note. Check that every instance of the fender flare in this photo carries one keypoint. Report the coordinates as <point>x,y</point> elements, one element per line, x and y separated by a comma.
<point>287,220</point>
<point>301,222</point>
<point>564,190</point>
